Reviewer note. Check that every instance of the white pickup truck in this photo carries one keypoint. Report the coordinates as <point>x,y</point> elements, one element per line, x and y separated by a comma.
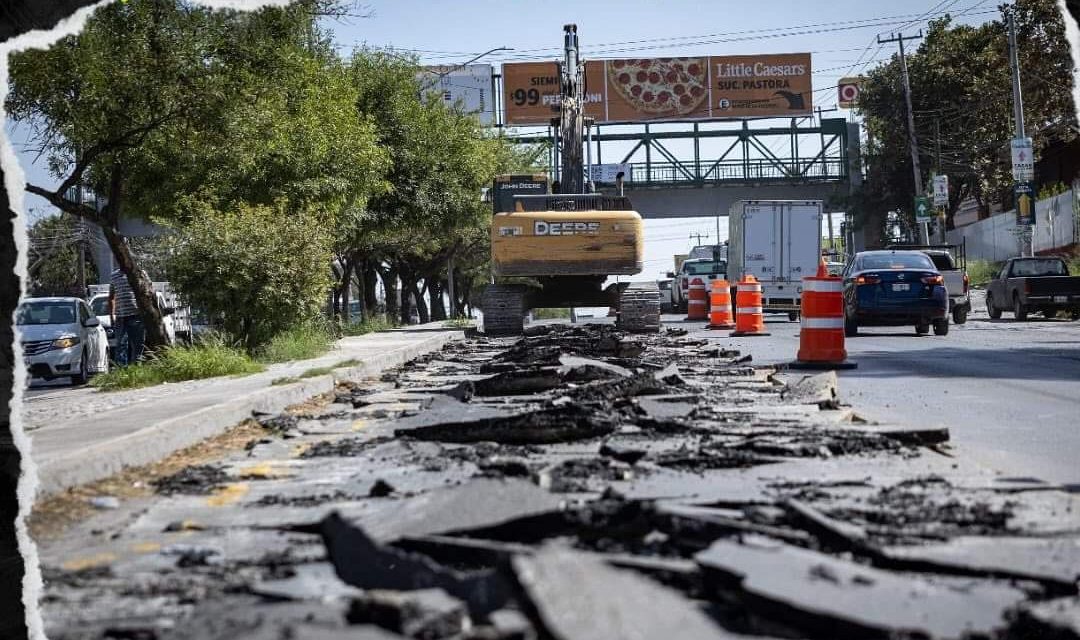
<point>951,261</point>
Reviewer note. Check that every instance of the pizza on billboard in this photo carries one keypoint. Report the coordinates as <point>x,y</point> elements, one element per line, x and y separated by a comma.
<point>657,87</point>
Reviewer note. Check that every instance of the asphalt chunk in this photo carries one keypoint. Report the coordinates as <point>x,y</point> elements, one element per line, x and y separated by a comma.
<point>829,597</point>
<point>544,426</point>
<point>425,613</point>
<point>200,479</point>
<point>575,596</point>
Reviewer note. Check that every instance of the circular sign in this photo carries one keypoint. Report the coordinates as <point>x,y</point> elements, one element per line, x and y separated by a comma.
<point>849,92</point>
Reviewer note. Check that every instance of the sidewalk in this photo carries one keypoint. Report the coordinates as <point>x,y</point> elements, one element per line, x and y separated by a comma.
<point>92,435</point>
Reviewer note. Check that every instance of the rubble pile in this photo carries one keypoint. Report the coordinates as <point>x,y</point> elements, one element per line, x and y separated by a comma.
<point>581,483</point>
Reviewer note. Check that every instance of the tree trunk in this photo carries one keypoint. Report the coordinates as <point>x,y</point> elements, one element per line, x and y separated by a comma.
<point>348,266</point>
<point>408,283</point>
<point>389,277</point>
<point>435,293</point>
<point>421,305</point>
<point>371,300</point>
<point>156,336</point>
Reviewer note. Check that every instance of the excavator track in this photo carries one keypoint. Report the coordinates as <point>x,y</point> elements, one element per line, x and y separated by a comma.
<point>504,309</point>
<point>639,308</point>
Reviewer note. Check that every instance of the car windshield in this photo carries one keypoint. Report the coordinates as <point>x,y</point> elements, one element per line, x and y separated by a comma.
<point>1032,268</point>
<point>942,261</point>
<point>100,306</point>
<point>896,261</point>
<point>46,312</point>
<point>705,268</point>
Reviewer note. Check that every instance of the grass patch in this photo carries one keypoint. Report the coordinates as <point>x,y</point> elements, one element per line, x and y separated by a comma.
<point>286,380</point>
<point>351,362</point>
<point>378,323</point>
<point>981,272</point>
<point>208,359</point>
<point>545,313</point>
<point>459,323</point>
<point>317,371</point>
<point>299,343</point>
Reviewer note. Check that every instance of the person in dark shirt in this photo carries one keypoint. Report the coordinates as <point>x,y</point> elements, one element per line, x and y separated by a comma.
<point>126,322</point>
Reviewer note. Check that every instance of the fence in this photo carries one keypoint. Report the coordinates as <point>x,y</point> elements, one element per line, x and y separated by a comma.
<point>995,238</point>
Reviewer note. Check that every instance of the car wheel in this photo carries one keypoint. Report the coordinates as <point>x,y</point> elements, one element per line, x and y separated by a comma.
<point>1075,315</point>
<point>1050,314</point>
<point>1019,312</point>
<point>793,316</point>
<point>83,375</point>
<point>959,315</point>
<point>851,327</point>
<point>941,327</point>
<point>922,329</point>
<point>991,310</point>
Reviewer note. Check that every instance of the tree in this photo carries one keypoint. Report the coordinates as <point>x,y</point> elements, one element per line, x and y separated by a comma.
<point>261,268</point>
<point>962,101</point>
<point>160,107</point>
<point>53,266</point>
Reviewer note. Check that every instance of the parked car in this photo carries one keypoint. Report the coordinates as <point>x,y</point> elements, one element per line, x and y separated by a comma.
<point>951,262</point>
<point>62,337</point>
<point>100,306</point>
<point>1034,284</point>
<point>666,302</point>
<point>895,288</point>
<point>695,269</point>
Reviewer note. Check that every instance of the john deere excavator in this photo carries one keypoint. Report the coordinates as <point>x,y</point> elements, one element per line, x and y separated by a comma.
<point>567,243</point>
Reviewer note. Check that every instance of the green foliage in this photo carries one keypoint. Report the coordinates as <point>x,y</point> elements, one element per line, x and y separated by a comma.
<point>550,314</point>
<point>981,272</point>
<point>262,269</point>
<point>315,372</point>
<point>302,342</point>
<point>52,268</point>
<point>960,77</point>
<point>1051,190</point>
<point>208,359</point>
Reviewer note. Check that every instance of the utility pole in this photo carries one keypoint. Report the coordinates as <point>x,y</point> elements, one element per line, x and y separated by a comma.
<point>82,245</point>
<point>912,139</point>
<point>937,172</point>
<point>572,123</point>
<point>699,236</point>
<point>1027,245</point>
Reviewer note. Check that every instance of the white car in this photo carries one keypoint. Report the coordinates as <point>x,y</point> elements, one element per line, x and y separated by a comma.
<point>100,305</point>
<point>61,337</point>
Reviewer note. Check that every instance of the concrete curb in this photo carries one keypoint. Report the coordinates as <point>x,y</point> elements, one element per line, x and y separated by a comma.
<point>160,439</point>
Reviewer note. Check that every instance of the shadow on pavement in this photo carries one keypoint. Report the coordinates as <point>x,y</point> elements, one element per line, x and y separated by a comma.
<point>1024,363</point>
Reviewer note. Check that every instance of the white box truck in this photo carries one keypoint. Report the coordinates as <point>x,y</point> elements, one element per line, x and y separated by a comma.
<point>778,242</point>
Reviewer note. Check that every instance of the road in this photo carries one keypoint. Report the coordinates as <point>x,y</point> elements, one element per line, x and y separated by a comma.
<point>1008,391</point>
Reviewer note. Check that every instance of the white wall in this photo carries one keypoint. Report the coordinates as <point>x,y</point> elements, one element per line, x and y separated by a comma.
<point>995,238</point>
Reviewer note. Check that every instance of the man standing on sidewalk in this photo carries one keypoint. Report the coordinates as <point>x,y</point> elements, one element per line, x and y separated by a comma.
<point>126,322</point>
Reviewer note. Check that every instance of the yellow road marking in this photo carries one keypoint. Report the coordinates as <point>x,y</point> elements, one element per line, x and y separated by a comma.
<point>88,562</point>
<point>228,494</point>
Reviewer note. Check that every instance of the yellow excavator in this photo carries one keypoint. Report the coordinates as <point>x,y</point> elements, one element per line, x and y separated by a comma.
<point>565,243</point>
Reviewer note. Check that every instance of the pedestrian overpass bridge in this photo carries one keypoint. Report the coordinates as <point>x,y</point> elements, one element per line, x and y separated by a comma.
<point>664,184</point>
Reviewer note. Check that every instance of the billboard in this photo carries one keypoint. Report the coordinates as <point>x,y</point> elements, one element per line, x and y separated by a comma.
<point>470,84</point>
<point>652,89</point>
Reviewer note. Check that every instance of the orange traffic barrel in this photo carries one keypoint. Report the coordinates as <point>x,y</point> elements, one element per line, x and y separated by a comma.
<point>696,300</point>
<point>821,332</point>
<point>749,316</point>
<point>720,314</point>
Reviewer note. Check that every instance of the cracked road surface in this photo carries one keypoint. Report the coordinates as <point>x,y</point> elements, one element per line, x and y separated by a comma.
<point>1008,391</point>
<point>578,484</point>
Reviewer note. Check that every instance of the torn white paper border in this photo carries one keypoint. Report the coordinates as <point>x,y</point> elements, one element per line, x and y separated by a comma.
<point>1072,35</point>
<point>13,182</point>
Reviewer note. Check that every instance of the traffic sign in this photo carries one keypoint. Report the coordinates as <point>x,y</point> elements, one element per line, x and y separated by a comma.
<point>941,191</point>
<point>1025,203</point>
<point>1023,160</point>
<point>847,91</point>
<point>923,209</point>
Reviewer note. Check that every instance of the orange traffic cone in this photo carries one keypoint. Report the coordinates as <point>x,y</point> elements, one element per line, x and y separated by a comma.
<point>821,333</point>
<point>720,315</point>
<point>696,300</point>
<point>749,317</point>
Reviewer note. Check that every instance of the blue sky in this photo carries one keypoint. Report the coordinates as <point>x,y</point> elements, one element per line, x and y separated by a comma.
<point>840,34</point>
